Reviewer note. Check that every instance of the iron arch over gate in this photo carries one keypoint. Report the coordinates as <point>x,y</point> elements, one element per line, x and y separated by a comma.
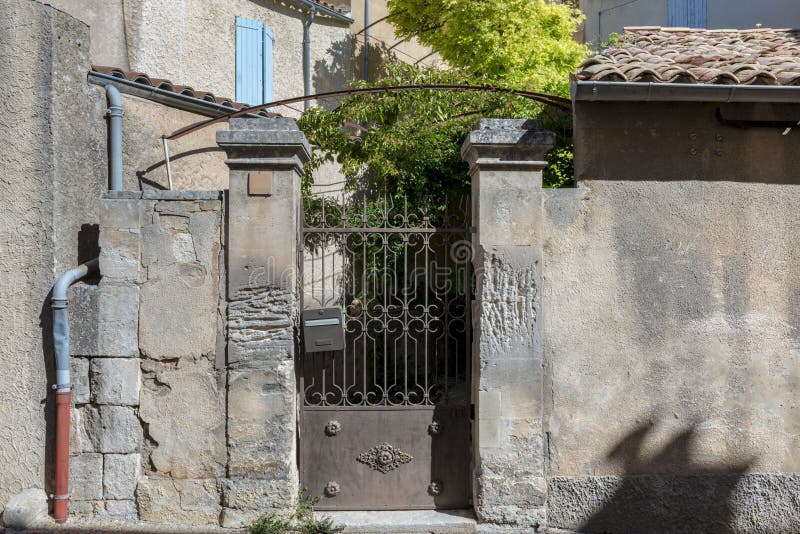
<point>385,421</point>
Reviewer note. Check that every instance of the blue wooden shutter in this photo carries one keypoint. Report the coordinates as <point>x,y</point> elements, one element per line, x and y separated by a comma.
<point>688,13</point>
<point>249,61</point>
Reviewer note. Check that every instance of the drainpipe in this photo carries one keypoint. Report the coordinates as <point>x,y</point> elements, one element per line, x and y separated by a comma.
<point>366,40</point>
<point>307,54</point>
<point>114,138</point>
<point>63,386</point>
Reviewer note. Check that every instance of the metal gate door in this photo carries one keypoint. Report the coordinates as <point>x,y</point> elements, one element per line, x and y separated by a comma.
<point>385,423</point>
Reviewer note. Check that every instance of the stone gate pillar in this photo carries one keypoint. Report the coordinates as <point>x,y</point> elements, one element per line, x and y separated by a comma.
<point>264,211</point>
<point>506,159</point>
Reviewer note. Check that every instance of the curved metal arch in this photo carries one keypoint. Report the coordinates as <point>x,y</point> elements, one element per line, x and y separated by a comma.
<point>556,101</point>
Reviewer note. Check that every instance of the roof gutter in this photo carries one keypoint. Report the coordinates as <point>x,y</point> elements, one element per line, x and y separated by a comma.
<point>591,91</point>
<point>162,96</point>
<point>326,11</point>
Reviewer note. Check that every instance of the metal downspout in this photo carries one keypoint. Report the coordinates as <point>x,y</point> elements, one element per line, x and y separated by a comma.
<point>114,138</point>
<point>307,54</point>
<point>366,40</point>
<point>63,385</point>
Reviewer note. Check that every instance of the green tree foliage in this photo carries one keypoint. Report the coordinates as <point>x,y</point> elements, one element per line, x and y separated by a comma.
<point>409,143</point>
<point>525,43</point>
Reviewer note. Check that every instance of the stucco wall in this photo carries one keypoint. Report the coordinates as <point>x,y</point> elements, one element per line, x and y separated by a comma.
<point>672,308</point>
<point>382,37</point>
<point>197,163</point>
<point>106,28</point>
<point>670,325</point>
<point>679,141</point>
<point>606,16</point>
<point>51,163</point>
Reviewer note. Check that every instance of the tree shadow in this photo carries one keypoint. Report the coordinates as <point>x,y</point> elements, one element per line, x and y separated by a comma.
<point>143,175</point>
<point>344,62</point>
<point>669,491</point>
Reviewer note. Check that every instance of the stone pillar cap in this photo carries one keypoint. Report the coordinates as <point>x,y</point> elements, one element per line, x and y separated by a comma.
<point>264,142</point>
<point>507,142</point>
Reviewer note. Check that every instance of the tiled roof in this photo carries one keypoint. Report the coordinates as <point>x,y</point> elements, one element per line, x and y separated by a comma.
<point>683,55</point>
<point>142,78</point>
<point>333,7</point>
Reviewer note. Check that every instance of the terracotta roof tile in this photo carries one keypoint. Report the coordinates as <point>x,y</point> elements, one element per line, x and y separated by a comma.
<point>331,6</point>
<point>761,56</point>
<point>167,85</point>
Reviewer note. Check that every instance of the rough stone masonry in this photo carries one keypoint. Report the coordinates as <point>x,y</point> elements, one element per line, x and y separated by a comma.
<point>149,419</point>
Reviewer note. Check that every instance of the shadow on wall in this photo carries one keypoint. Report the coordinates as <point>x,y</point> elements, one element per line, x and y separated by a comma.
<point>147,183</point>
<point>650,499</point>
<point>344,63</point>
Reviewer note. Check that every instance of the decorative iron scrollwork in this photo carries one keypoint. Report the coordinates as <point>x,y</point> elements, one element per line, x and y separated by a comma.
<point>333,427</point>
<point>403,275</point>
<point>332,489</point>
<point>435,487</point>
<point>384,458</point>
<point>435,428</point>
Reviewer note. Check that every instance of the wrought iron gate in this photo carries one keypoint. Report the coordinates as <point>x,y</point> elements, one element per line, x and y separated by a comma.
<point>385,422</point>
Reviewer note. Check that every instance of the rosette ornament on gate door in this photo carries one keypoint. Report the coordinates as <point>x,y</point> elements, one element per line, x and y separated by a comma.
<point>384,458</point>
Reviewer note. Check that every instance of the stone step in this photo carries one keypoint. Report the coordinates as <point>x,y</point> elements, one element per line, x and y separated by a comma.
<point>405,522</point>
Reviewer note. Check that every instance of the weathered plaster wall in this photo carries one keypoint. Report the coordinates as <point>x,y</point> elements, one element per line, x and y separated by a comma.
<point>681,304</point>
<point>670,327</point>
<point>51,164</point>
<point>681,141</point>
<point>197,163</point>
<point>106,23</point>
<point>193,42</point>
<point>606,16</point>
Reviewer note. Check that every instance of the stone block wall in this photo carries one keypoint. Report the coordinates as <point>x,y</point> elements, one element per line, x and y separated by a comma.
<point>148,429</point>
<point>185,387</point>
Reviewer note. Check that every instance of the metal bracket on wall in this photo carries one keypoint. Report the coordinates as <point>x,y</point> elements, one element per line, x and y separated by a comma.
<point>738,123</point>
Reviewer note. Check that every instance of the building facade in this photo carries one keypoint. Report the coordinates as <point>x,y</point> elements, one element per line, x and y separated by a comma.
<point>605,17</point>
<point>626,360</point>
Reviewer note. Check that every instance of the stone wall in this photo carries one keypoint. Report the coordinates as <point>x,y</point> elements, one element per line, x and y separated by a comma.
<point>264,301</point>
<point>186,410</point>
<point>149,422</point>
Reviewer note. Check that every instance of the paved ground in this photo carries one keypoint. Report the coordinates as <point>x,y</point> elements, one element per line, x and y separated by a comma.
<point>406,522</point>
<point>390,522</point>
<point>74,526</point>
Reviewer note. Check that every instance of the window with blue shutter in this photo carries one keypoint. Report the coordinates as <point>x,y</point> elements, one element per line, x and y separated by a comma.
<point>254,42</point>
<point>688,13</point>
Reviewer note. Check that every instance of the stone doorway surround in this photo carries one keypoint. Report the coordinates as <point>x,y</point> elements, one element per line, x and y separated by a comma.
<point>506,160</point>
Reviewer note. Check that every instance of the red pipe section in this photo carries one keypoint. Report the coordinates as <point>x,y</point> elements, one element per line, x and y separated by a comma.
<point>61,497</point>
<point>62,386</point>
